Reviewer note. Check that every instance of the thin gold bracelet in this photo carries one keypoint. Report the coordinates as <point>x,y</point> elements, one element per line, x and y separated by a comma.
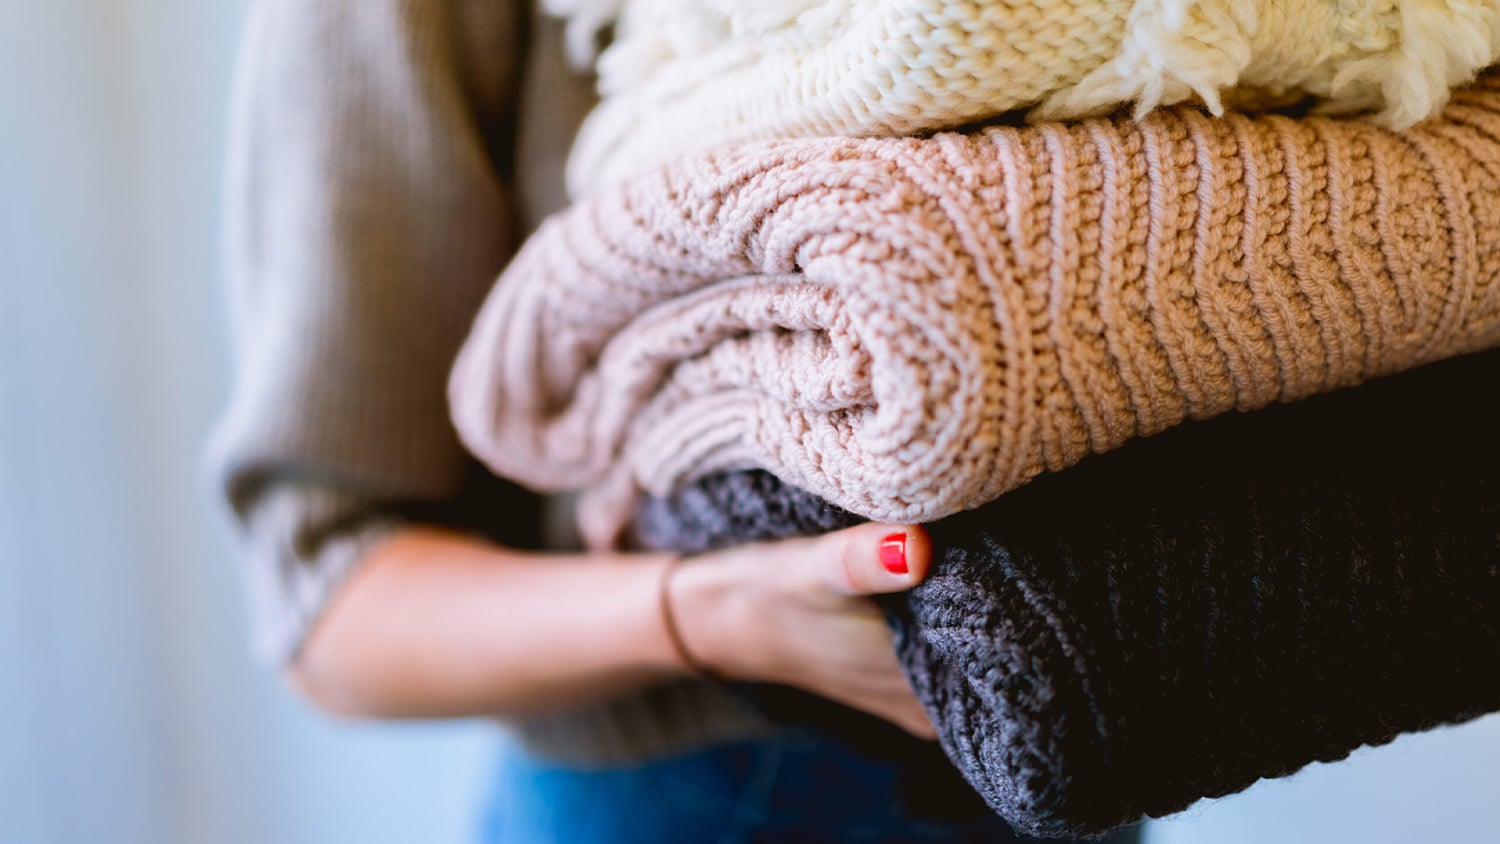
<point>669,621</point>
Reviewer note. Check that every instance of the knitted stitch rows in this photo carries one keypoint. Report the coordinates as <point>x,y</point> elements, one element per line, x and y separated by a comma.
<point>912,327</point>
<point>1232,600</point>
<point>687,75</point>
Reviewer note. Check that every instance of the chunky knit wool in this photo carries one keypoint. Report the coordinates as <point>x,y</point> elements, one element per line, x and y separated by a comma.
<point>909,328</point>
<point>1230,601</point>
<point>687,75</point>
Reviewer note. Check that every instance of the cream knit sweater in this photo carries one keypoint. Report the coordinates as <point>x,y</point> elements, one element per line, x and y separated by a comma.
<point>687,75</point>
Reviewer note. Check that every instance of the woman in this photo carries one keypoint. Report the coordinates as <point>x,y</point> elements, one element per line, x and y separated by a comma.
<point>385,155</point>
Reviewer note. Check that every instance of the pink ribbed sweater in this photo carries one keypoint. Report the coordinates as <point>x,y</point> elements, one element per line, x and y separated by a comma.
<point>912,327</point>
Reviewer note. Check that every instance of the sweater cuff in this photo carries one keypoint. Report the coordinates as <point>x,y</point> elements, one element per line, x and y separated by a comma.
<point>299,545</point>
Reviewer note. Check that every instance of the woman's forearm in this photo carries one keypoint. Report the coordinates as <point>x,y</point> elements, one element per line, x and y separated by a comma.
<point>438,624</point>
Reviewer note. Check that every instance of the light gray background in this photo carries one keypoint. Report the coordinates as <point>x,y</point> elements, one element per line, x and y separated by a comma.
<point>129,710</point>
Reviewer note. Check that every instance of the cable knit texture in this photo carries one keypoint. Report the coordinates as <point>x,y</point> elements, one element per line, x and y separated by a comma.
<point>1232,600</point>
<point>686,75</point>
<point>909,328</point>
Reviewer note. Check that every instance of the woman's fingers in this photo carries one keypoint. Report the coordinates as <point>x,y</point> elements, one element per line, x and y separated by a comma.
<point>876,684</point>
<point>798,612</point>
<point>898,704</point>
<point>908,714</point>
<point>872,559</point>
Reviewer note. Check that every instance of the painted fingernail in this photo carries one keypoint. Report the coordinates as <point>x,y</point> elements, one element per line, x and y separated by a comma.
<point>893,553</point>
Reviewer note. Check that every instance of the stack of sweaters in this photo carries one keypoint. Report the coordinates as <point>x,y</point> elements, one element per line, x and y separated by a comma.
<point>783,337</point>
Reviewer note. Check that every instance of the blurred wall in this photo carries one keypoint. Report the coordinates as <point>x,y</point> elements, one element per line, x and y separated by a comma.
<point>1440,787</point>
<point>129,711</point>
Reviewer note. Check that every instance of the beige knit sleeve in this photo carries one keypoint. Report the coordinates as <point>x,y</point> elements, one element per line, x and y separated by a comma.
<point>366,217</point>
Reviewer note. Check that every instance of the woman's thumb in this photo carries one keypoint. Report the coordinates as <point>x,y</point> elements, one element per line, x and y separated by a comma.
<point>875,559</point>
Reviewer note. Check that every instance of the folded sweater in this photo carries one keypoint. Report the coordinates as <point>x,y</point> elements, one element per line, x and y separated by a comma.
<point>1232,600</point>
<point>686,75</point>
<point>909,328</point>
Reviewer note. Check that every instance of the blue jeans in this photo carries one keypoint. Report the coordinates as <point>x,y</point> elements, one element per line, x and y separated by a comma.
<point>796,787</point>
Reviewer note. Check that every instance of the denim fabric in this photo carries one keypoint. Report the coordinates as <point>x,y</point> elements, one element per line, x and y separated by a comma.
<point>796,787</point>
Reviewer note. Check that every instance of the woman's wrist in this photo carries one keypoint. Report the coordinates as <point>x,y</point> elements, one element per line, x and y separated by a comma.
<point>686,657</point>
<point>713,604</point>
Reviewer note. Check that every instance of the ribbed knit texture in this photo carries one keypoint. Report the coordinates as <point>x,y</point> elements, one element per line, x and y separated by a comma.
<point>1230,601</point>
<point>684,76</point>
<point>909,328</point>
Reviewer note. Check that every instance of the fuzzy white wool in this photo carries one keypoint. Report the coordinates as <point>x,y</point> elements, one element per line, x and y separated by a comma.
<point>686,75</point>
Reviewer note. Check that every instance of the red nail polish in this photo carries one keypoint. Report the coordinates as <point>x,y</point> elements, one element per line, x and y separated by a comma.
<point>893,553</point>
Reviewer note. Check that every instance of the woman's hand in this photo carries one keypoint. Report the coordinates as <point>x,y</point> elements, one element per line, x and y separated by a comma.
<point>435,624</point>
<point>797,612</point>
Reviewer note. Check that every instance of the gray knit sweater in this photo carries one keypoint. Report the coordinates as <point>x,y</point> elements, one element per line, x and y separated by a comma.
<point>385,157</point>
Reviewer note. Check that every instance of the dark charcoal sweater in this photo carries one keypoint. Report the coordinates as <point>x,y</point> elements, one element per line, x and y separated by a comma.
<point>1227,601</point>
